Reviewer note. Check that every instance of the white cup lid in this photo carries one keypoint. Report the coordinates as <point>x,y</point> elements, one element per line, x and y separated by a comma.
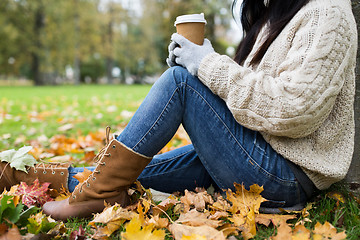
<point>190,18</point>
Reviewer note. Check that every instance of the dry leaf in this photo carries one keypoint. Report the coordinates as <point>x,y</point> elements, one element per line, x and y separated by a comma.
<point>34,194</point>
<point>221,204</point>
<point>158,222</point>
<point>328,231</point>
<point>284,232</point>
<point>276,219</point>
<point>12,234</point>
<point>135,230</point>
<point>337,196</point>
<point>199,200</point>
<point>301,233</point>
<point>165,205</point>
<point>246,222</point>
<point>193,237</point>
<point>180,230</point>
<point>195,218</point>
<point>82,176</point>
<point>244,199</point>
<point>113,217</point>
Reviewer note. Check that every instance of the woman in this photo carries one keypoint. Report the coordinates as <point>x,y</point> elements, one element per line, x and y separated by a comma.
<point>280,114</point>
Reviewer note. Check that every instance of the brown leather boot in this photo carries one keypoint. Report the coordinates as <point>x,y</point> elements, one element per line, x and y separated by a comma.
<point>55,173</point>
<point>117,168</point>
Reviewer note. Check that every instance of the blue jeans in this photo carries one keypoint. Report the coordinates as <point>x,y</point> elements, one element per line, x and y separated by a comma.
<point>222,150</point>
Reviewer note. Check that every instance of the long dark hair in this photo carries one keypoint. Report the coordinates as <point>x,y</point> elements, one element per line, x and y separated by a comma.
<point>254,14</point>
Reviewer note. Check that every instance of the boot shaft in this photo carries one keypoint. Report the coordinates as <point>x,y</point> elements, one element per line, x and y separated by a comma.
<point>117,169</point>
<point>55,173</point>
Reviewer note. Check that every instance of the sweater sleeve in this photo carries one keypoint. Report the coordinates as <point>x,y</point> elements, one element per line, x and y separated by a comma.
<point>299,95</point>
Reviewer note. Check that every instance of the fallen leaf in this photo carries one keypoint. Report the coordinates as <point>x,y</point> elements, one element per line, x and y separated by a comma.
<point>112,217</point>
<point>276,219</point>
<point>246,222</point>
<point>12,234</point>
<point>158,222</point>
<point>77,234</point>
<point>328,231</point>
<point>199,200</point>
<point>301,233</point>
<point>244,199</point>
<point>65,127</point>
<point>134,230</point>
<point>82,176</point>
<point>195,218</point>
<point>34,194</point>
<point>337,196</point>
<point>180,230</point>
<point>284,232</point>
<point>165,205</point>
<point>19,159</point>
<point>193,237</point>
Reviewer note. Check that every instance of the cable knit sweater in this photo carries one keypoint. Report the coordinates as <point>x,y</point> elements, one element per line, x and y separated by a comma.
<point>300,96</point>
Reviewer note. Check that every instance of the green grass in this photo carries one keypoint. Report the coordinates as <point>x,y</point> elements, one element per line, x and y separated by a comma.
<point>30,112</point>
<point>34,111</point>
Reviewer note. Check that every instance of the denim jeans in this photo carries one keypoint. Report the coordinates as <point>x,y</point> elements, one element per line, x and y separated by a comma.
<point>222,150</point>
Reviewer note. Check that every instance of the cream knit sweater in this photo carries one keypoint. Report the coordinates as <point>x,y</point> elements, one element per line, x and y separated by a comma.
<point>300,96</point>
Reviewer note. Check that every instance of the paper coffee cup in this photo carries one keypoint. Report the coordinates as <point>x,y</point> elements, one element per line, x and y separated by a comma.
<point>192,27</point>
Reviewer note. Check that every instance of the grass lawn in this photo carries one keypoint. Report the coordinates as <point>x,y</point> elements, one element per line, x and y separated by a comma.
<point>34,111</point>
<point>28,114</point>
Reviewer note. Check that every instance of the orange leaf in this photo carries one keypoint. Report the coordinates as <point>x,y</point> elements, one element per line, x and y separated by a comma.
<point>301,233</point>
<point>328,231</point>
<point>82,176</point>
<point>284,232</point>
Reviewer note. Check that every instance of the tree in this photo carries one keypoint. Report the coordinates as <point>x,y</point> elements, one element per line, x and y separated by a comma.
<point>353,177</point>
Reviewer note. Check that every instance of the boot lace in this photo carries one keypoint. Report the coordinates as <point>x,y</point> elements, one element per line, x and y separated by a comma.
<point>102,153</point>
<point>44,166</point>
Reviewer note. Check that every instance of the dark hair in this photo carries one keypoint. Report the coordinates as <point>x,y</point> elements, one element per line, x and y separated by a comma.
<point>254,14</point>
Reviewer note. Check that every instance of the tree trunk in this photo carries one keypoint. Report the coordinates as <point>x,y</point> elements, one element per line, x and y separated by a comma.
<point>109,44</point>
<point>353,177</point>
<point>36,53</point>
<point>76,43</point>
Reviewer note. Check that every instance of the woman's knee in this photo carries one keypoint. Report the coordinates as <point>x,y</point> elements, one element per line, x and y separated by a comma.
<point>178,74</point>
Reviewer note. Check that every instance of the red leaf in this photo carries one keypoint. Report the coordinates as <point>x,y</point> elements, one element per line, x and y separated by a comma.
<point>35,194</point>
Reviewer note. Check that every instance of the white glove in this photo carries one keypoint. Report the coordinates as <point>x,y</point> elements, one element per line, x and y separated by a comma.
<point>189,55</point>
<point>171,58</point>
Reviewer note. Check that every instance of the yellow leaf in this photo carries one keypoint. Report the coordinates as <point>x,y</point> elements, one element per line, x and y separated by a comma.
<point>246,222</point>
<point>284,232</point>
<point>265,219</point>
<point>135,231</point>
<point>301,233</point>
<point>244,199</point>
<point>180,230</point>
<point>328,231</point>
<point>337,196</point>
<point>193,237</point>
<point>112,213</point>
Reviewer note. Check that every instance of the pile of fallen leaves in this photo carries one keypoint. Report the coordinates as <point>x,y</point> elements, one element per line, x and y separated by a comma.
<point>192,215</point>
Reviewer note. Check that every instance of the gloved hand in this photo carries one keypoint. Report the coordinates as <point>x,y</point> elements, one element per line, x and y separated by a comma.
<point>189,55</point>
<point>171,58</point>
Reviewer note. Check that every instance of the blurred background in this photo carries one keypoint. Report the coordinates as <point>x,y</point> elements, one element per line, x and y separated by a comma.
<point>99,41</point>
